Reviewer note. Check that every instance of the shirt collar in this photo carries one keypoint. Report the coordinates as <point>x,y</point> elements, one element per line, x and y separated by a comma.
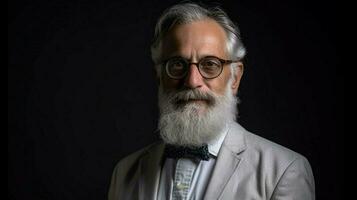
<point>215,145</point>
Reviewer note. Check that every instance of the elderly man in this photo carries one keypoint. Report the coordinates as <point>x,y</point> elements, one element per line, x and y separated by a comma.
<point>205,154</point>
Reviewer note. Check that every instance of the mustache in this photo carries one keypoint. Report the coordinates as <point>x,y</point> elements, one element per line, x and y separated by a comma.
<point>195,94</point>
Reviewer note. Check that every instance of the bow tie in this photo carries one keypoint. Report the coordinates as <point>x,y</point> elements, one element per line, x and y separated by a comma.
<point>187,152</point>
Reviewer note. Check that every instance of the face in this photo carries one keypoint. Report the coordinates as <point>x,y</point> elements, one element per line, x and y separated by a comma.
<point>194,41</point>
<point>194,110</point>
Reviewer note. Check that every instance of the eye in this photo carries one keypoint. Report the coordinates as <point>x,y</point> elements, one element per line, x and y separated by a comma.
<point>210,65</point>
<point>176,67</point>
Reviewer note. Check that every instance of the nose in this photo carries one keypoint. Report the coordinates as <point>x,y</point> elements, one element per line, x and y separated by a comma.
<point>193,78</point>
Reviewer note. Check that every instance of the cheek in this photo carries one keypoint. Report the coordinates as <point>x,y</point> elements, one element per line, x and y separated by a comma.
<point>168,83</point>
<point>219,84</point>
<point>217,87</point>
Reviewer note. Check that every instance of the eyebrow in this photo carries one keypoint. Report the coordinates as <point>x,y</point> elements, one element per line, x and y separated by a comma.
<point>199,58</point>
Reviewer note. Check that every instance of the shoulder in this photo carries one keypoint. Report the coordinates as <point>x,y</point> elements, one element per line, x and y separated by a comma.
<point>260,148</point>
<point>283,170</point>
<point>127,172</point>
<point>269,158</point>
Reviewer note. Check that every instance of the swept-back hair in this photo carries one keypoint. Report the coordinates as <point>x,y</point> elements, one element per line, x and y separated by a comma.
<point>189,12</point>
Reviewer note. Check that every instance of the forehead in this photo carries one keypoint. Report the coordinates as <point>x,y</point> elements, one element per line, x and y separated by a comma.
<point>199,38</point>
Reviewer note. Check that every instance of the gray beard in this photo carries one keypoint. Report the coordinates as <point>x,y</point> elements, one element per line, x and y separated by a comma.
<point>187,125</point>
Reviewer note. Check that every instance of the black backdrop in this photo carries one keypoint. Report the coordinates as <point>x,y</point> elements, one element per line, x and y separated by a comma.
<point>82,94</point>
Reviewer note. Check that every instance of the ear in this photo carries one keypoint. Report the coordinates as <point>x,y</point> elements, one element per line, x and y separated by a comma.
<point>237,77</point>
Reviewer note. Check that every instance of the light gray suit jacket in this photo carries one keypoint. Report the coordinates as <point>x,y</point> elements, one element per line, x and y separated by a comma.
<point>248,167</point>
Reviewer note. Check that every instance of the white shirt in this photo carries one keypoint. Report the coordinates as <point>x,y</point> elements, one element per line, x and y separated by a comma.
<point>201,175</point>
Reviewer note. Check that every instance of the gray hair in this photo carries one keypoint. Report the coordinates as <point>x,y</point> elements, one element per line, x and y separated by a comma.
<point>189,12</point>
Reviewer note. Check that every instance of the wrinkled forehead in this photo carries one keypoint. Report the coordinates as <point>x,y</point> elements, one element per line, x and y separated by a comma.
<point>199,38</point>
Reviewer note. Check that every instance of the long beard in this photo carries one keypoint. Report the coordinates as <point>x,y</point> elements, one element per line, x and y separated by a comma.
<point>193,124</point>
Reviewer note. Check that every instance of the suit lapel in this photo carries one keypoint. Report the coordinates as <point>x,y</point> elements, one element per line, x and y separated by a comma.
<point>150,170</point>
<point>227,161</point>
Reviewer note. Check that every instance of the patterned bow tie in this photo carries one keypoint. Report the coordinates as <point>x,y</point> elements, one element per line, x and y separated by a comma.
<point>187,152</point>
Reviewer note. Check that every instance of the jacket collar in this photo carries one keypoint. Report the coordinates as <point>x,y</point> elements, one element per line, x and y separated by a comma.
<point>228,159</point>
<point>227,162</point>
<point>150,170</point>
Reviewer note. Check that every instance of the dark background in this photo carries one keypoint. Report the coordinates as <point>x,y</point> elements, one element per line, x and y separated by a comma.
<point>82,94</point>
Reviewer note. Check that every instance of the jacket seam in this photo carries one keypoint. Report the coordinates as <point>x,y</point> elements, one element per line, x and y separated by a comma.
<point>281,177</point>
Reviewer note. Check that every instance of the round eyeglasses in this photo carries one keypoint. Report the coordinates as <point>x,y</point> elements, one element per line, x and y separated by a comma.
<point>209,67</point>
